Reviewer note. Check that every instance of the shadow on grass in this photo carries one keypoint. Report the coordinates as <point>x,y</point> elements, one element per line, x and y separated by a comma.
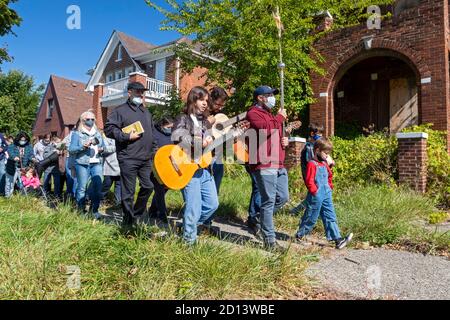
<point>231,227</point>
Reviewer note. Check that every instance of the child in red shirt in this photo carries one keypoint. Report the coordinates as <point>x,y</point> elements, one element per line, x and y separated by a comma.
<point>319,201</point>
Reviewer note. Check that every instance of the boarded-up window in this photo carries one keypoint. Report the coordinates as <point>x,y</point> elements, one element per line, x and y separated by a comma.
<point>50,108</point>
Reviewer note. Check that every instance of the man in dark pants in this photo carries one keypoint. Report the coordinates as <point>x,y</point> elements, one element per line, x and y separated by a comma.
<point>134,152</point>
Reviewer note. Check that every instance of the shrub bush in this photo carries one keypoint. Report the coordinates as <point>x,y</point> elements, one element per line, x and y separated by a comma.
<point>365,159</point>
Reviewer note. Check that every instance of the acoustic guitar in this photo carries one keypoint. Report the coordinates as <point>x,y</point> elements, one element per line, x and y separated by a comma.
<point>224,124</point>
<point>240,148</point>
<point>174,168</point>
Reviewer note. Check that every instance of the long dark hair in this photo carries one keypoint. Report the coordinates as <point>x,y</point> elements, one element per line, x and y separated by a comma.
<point>195,94</point>
<point>21,135</point>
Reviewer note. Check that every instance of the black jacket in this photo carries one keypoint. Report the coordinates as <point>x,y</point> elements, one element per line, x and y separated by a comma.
<point>162,139</point>
<point>123,116</point>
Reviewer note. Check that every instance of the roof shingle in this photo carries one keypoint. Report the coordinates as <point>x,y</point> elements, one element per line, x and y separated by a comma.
<point>72,98</point>
<point>134,46</point>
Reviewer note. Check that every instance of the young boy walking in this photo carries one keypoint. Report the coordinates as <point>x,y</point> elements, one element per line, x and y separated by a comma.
<point>315,133</point>
<point>319,201</point>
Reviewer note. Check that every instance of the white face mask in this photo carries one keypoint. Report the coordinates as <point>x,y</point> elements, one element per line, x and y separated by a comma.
<point>137,101</point>
<point>271,102</point>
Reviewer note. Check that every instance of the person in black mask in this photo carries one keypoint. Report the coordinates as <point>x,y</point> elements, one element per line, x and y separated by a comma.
<point>134,152</point>
<point>162,133</point>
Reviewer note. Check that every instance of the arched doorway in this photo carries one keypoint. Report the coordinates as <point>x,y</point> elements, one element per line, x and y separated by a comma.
<point>377,92</point>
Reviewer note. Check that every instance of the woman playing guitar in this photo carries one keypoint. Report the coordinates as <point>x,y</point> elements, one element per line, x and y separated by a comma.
<point>191,132</point>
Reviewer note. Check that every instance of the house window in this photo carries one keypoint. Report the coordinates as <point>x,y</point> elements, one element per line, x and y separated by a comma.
<point>160,73</point>
<point>119,53</point>
<point>119,74</point>
<point>50,108</point>
<point>110,77</point>
<point>128,71</point>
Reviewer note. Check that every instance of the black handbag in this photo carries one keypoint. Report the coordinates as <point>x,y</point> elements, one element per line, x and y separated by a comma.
<point>11,167</point>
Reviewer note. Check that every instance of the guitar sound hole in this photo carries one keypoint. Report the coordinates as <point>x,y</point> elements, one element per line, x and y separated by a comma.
<point>219,126</point>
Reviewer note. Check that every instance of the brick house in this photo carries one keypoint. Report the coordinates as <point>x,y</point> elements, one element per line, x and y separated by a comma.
<point>127,59</point>
<point>391,77</point>
<point>63,102</point>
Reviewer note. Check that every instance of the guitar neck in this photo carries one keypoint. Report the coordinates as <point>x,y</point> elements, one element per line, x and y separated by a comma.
<point>234,120</point>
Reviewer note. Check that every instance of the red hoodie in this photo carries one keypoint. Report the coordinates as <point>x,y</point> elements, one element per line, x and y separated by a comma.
<point>270,152</point>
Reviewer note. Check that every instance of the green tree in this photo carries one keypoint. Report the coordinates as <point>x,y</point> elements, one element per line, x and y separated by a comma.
<point>243,33</point>
<point>172,107</point>
<point>8,19</point>
<point>19,101</point>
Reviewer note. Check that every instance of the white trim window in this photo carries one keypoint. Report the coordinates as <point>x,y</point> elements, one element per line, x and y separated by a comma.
<point>119,74</point>
<point>109,77</point>
<point>119,52</point>
<point>50,108</point>
<point>160,72</point>
<point>128,71</point>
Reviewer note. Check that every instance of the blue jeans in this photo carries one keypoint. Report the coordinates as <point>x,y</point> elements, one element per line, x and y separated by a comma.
<point>71,182</point>
<point>218,169</point>
<point>2,176</point>
<point>10,182</point>
<point>200,197</point>
<point>94,174</point>
<point>254,207</point>
<point>319,205</point>
<point>273,187</point>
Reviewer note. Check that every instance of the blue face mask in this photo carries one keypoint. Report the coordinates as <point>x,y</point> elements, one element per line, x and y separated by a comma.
<point>89,123</point>
<point>167,130</point>
<point>316,137</point>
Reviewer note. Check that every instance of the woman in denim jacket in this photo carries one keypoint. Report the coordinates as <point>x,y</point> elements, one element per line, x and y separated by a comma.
<point>87,146</point>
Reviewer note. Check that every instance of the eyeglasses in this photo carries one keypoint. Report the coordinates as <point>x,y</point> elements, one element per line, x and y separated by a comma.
<point>89,119</point>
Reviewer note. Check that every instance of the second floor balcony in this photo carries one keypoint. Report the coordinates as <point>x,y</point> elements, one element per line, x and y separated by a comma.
<point>115,92</point>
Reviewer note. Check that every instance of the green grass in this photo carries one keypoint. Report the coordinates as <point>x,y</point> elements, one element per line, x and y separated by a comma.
<point>37,244</point>
<point>374,213</point>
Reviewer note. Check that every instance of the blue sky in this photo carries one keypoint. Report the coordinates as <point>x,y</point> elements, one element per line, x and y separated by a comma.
<point>45,46</point>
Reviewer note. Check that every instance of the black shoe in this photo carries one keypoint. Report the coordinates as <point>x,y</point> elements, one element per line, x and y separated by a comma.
<point>274,247</point>
<point>254,227</point>
<point>300,240</point>
<point>342,243</point>
<point>163,219</point>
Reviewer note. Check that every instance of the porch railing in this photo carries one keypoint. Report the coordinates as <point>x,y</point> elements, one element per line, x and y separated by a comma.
<point>118,88</point>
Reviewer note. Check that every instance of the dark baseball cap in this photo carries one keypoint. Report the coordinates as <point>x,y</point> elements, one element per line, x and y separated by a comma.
<point>136,86</point>
<point>262,90</point>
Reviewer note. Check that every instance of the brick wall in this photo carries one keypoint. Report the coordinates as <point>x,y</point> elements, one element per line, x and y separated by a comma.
<point>188,81</point>
<point>419,36</point>
<point>293,152</point>
<point>412,160</point>
<point>43,125</point>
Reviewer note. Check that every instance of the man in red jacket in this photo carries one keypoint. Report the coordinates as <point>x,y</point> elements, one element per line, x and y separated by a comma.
<point>267,164</point>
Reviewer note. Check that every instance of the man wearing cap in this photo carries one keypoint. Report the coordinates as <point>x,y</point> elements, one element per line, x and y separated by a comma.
<point>134,151</point>
<point>267,166</point>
